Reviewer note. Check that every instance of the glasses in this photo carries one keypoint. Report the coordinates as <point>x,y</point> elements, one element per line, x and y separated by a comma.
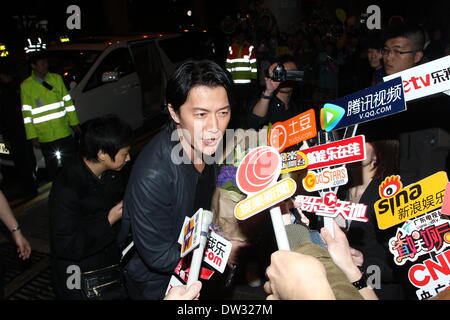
<point>386,51</point>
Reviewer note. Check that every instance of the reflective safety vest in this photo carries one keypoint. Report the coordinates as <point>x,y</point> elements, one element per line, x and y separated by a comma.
<point>47,114</point>
<point>241,63</point>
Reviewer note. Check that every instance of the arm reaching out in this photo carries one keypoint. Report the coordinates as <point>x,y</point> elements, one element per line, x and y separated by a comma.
<point>7,217</point>
<point>295,276</point>
<point>346,258</point>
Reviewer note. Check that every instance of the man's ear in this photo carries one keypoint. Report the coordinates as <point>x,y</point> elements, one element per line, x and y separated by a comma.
<point>374,162</point>
<point>418,57</point>
<point>101,155</point>
<point>173,114</point>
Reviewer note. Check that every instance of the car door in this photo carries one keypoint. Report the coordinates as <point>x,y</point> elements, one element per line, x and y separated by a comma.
<point>152,75</point>
<point>120,95</point>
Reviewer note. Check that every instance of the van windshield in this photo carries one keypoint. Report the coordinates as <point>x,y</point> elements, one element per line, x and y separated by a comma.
<point>72,65</point>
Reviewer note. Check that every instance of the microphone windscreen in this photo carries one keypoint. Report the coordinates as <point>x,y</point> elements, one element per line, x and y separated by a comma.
<point>207,218</point>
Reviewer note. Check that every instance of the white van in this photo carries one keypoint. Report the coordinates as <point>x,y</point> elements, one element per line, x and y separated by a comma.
<point>122,75</point>
<point>125,75</point>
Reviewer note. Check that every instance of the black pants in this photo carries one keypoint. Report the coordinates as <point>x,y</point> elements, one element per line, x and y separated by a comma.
<point>25,163</point>
<point>154,289</point>
<point>244,95</point>
<point>57,153</point>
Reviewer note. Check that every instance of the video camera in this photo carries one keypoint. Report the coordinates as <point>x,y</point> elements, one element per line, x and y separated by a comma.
<point>280,74</point>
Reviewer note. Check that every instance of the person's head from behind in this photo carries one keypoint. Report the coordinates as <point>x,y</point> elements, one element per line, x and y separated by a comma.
<point>382,152</point>
<point>374,50</point>
<point>106,140</point>
<point>199,99</point>
<point>39,64</point>
<point>382,157</point>
<point>403,48</point>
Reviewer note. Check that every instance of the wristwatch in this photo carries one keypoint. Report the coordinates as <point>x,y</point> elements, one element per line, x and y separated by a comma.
<point>362,282</point>
<point>15,229</point>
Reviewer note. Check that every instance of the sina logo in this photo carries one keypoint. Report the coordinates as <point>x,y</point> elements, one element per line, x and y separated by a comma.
<point>330,116</point>
<point>393,195</point>
<point>390,187</point>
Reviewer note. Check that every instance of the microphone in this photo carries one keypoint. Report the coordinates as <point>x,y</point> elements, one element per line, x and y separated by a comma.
<point>279,229</point>
<point>197,256</point>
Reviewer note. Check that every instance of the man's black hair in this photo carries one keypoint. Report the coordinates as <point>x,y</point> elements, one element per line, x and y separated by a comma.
<point>413,33</point>
<point>108,134</point>
<point>34,57</point>
<point>286,58</point>
<point>191,74</point>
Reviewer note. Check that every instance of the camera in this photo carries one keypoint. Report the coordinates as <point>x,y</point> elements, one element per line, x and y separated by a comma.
<point>280,74</point>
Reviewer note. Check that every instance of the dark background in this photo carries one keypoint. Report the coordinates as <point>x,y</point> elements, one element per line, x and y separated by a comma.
<point>99,17</point>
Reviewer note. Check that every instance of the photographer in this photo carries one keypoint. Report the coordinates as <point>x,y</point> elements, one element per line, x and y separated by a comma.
<point>275,103</point>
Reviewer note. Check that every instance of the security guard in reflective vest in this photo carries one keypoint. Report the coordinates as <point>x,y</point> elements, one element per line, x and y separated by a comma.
<point>241,60</point>
<point>241,63</point>
<point>48,114</point>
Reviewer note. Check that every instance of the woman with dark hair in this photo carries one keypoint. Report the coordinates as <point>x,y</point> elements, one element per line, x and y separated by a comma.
<point>172,177</point>
<point>382,160</point>
<point>85,205</point>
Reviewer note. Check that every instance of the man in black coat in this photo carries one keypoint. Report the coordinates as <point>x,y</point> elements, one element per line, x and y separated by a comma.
<point>85,205</point>
<point>170,179</point>
<point>423,129</point>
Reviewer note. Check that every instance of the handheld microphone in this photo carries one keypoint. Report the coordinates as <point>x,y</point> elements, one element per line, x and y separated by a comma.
<point>279,229</point>
<point>197,256</point>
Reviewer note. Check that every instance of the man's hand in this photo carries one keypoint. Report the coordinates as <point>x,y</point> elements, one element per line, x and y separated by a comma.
<point>181,293</point>
<point>341,253</point>
<point>115,214</point>
<point>76,129</point>
<point>23,246</point>
<point>271,85</point>
<point>35,143</point>
<point>295,276</point>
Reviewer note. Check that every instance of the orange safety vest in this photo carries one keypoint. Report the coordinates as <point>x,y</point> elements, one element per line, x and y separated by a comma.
<point>241,63</point>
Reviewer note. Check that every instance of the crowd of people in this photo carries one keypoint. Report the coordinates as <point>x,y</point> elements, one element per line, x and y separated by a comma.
<point>95,208</point>
<point>327,50</point>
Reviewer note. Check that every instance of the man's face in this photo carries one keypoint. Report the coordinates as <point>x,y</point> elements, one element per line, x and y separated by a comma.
<point>40,67</point>
<point>396,61</point>
<point>374,56</point>
<point>204,118</point>
<point>120,160</point>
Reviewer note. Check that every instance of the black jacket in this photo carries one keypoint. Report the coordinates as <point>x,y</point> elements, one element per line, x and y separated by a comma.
<point>11,119</point>
<point>424,134</point>
<point>276,113</point>
<point>159,195</point>
<point>80,233</point>
<point>373,243</point>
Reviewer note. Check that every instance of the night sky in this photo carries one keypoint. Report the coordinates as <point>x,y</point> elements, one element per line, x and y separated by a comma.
<point>100,17</point>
